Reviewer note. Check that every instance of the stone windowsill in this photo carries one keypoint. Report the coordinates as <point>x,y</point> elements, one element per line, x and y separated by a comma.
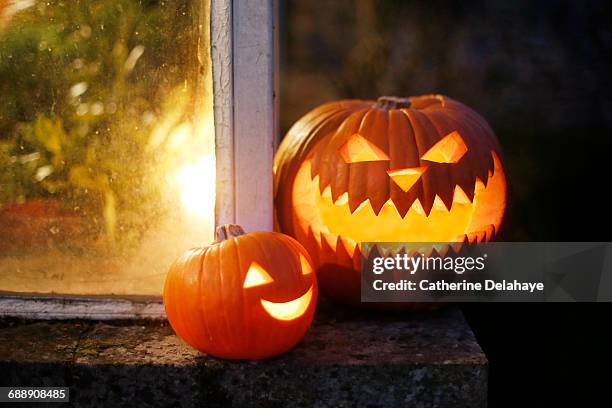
<point>347,359</point>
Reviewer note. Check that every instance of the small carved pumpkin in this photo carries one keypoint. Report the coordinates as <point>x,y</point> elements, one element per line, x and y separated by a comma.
<point>421,169</point>
<point>246,296</point>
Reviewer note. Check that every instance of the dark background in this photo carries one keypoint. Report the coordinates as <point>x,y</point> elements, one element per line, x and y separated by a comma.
<point>540,72</point>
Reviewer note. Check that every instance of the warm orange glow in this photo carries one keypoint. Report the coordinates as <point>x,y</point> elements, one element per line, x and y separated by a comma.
<point>288,310</point>
<point>208,306</point>
<point>411,171</point>
<point>197,184</point>
<point>306,268</point>
<point>405,178</point>
<point>448,150</point>
<point>359,149</point>
<point>256,276</point>
<point>465,219</point>
<point>460,196</point>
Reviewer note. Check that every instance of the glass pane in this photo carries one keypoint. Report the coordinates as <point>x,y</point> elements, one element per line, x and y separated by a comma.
<point>106,143</point>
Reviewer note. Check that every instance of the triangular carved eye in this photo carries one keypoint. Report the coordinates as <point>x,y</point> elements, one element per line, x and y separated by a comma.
<point>405,178</point>
<point>448,150</point>
<point>306,268</point>
<point>359,149</point>
<point>256,276</point>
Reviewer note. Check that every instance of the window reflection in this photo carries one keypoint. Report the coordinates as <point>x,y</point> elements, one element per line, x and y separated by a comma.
<point>106,141</point>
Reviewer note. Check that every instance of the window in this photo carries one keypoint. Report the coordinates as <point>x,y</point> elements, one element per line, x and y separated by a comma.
<point>111,153</point>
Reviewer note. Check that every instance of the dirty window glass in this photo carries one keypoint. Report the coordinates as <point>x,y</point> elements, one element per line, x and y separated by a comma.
<point>106,165</point>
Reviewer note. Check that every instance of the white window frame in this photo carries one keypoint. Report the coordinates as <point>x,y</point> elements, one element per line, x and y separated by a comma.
<point>244,53</point>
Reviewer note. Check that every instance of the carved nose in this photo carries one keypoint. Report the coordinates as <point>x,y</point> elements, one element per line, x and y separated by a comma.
<point>405,178</point>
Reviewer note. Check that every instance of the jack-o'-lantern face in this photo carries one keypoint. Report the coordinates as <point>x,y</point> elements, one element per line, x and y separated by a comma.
<point>423,169</point>
<point>246,296</point>
<point>258,277</point>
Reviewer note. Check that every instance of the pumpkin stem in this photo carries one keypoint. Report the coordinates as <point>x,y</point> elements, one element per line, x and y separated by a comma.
<point>392,102</point>
<point>227,231</point>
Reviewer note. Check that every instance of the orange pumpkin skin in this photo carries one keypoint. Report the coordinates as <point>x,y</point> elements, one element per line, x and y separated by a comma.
<point>209,307</point>
<point>417,169</point>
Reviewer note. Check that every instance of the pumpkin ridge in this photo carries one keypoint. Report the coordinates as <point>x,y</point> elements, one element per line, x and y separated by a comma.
<point>311,141</point>
<point>187,269</point>
<point>422,139</point>
<point>357,192</point>
<point>201,281</point>
<point>479,126</point>
<point>356,199</point>
<point>417,190</point>
<point>209,307</point>
<point>378,189</point>
<point>330,148</point>
<point>483,149</point>
<point>445,186</point>
<point>224,307</point>
<point>404,155</point>
<point>290,157</point>
<point>246,315</point>
<point>292,145</point>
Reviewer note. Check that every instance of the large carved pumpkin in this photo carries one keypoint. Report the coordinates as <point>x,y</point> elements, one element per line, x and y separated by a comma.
<point>418,169</point>
<point>246,296</point>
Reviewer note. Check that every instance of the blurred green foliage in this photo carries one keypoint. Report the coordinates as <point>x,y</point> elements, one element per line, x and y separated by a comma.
<point>85,87</point>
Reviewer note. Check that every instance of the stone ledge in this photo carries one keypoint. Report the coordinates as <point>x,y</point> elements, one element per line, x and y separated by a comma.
<point>348,359</point>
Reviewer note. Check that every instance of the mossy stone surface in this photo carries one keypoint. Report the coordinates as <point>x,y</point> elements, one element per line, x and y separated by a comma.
<point>347,359</point>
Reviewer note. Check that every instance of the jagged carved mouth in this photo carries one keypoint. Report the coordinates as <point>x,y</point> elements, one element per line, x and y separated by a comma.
<point>318,215</point>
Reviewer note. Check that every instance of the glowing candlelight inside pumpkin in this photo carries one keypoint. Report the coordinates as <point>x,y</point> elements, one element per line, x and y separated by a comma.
<point>197,185</point>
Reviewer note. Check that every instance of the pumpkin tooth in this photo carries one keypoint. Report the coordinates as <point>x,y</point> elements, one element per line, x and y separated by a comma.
<point>480,180</point>
<point>390,204</point>
<point>460,241</point>
<point>369,250</point>
<point>460,197</point>
<point>315,179</point>
<point>330,239</point>
<point>418,207</point>
<point>342,199</point>
<point>442,248</point>
<point>325,229</point>
<point>348,244</point>
<point>327,193</point>
<point>363,251</point>
<point>315,236</point>
<point>427,204</point>
<point>492,232</point>
<point>456,246</point>
<point>377,206</point>
<point>469,189</point>
<point>374,250</point>
<point>401,208</point>
<point>362,206</point>
<point>314,175</point>
<point>439,205</point>
<point>434,253</point>
<point>426,251</point>
<point>472,237</point>
<point>488,232</point>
